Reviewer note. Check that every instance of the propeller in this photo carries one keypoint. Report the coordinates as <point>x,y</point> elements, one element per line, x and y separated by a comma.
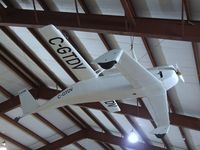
<point>178,72</point>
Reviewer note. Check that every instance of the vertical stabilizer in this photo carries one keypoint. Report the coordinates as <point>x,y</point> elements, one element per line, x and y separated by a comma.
<point>28,102</point>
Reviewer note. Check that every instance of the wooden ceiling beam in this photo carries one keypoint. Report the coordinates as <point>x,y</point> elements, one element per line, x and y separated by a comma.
<point>131,15</point>
<point>17,71</point>
<point>101,36</point>
<point>65,141</point>
<point>165,28</point>
<point>98,136</point>
<point>11,140</point>
<point>79,121</point>
<point>23,128</point>
<point>115,123</point>
<point>22,67</point>
<point>129,12</point>
<point>194,44</point>
<point>5,92</point>
<point>47,93</point>
<point>32,56</point>
<point>93,117</point>
<point>105,137</point>
<point>52,53</point>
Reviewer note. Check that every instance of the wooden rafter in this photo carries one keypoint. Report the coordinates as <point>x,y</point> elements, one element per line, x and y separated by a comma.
<point>53,54</point>
<point>7,138</point>
<point>101,36</point>
<point>65,141</point>
<point>165,28</point>
<point>194,44</point>
<point>131,15</point>
<point>46,93</point>
<point>98,136</point>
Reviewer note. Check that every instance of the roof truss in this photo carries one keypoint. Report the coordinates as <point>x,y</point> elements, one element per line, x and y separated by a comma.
<point>165,28</point>
<point>46,93</point>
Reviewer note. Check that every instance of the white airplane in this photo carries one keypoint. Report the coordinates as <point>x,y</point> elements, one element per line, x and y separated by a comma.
<point>131,81</point>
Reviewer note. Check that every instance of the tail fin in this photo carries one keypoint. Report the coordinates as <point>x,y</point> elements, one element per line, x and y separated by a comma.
<point>28,102</point>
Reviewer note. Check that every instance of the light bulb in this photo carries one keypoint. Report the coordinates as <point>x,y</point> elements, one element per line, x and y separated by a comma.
<point>133,137</point>
<point>3,148</point>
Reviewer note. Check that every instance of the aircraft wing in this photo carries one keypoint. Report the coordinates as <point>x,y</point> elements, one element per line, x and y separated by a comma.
<point>133,71</point>
<point>157,106</point>
<point>155,95</point>
<point>72,59</point>
<point>144,83</point>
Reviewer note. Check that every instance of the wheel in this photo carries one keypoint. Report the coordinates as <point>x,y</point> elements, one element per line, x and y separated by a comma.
<point>160,135</point>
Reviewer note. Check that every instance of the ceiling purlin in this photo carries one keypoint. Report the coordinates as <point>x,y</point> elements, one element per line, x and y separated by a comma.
<point>5,92</point>
<point>105,137</point>
<point>194,44</point>
<point>20,65</point>
<point>140,131</point>
<point>53,54</point>
<point>74,43</point>
<point>64,111</point>
<point>50,125</point>
<point>37,115</point>
<point>101,35</point>
<point>47,93</point>
<point>79,121</point>
<point>23,128</point>
<point>32,56</point>
<point>150,54</point>
<point>108,46</point>
<point>5,117</point>
<point>196,57</point>
<point>165,28</point>
<point>98,123</point>
<point>41,40</point>
<point>17,71</point>
<point>76,118</point>
<point>69,38</point>
<point>116,125</point>
<point>44,5</point>
<point>98,136</point>
<point>102,126</point>
<point>65,141</point>
<point>131,15</point>
<point>153,61</point>
<point>7,138</point>
<point>93,117</point>
<point>186,4</point>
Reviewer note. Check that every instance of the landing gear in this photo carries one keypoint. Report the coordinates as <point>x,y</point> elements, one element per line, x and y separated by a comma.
<point>160,135</point>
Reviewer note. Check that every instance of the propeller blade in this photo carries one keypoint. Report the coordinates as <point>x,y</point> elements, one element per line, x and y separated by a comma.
<point>179,73</point>
<point>181,78</point>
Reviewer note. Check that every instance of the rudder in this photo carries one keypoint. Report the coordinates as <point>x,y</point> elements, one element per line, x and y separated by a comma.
<point>28,102</point>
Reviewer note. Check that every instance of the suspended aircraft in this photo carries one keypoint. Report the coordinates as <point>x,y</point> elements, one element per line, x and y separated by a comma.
<point>131,81</point>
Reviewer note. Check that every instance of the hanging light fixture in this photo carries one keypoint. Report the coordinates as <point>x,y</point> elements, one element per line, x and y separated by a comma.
<point>133,137</point>
<point>3,146</point>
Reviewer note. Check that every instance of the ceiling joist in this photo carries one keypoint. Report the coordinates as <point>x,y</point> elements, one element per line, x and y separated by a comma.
<point>98,136</point>
<point>165,28</point>
<point>46,93</point>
